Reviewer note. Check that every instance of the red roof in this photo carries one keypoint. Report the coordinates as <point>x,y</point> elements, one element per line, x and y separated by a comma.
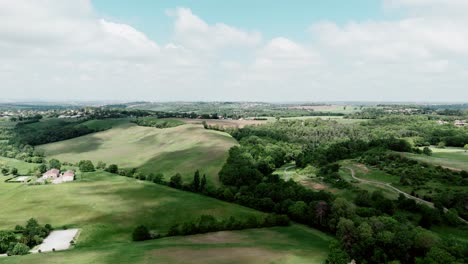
<point>69,173</point>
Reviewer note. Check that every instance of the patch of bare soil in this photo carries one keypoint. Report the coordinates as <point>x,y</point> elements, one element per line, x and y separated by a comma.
<point>222,237</point>
<point>362,168</point>
<point>217,255</point>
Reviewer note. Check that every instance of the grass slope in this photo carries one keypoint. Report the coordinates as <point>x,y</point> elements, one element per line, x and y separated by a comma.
<point>182,149</point>
<point>107,207</point>
<point>452,158</point>
<point>294,244</point>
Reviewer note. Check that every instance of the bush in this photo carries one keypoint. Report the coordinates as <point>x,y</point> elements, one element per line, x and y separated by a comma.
<point>19,249</point>
<point>86,166</point>
<point>112,168</point>
<point>141,233</point>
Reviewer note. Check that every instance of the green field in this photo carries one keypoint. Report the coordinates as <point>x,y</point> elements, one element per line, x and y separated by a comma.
<point>23,167</point>
<point>452,158</point>
<point>294,244</point>
<point>107,207</point>
<point>180,149</point>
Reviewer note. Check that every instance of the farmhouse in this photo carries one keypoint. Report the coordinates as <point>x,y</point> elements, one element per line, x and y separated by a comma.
<point>68,176</point>
<point>460,123</point>
<point>57,178</point>
<point>51,174</point>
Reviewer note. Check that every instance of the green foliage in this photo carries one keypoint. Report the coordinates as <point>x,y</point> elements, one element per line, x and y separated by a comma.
<point>102,165</point>
<point>55,164</point>
<point>208,223</point>
<point>86,166</point>
<point>19,249</point>
<point>158,123</point>
<point>6,238</point>
<point>427,151</point>
<point>141,233</point>
<point>113,168</point>
<point>176,181</point>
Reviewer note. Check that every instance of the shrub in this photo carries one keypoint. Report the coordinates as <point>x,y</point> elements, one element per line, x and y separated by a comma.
<point>19,249</point>
<point>86,166</point>
<point>141,233</point>
<point>112,168</point>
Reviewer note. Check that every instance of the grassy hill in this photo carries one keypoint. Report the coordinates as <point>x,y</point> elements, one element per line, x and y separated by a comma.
<point>107,207</point>
<point>180,149</point>
<point>452,158</point>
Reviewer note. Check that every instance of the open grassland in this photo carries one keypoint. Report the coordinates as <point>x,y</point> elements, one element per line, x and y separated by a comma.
<point>294,244</point>
<point>23,167</point>
<point>180,149</point>
<point>451,158</point>
<point>107,207</point>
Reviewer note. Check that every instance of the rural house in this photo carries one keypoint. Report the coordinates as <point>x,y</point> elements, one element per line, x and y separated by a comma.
<point>68,176</point>
<point>51,174</point>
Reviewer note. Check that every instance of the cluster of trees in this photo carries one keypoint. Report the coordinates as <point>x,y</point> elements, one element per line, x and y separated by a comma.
<point>21,152</point>
<point>23,238</point>
<point>422,176</point>
<point>6,170</point>
<point>208,223</point>
<point>32,134</point>
<point>157,122</point>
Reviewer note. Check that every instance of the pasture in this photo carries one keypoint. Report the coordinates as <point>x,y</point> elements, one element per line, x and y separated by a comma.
<point>106,208</point>
<point>181,149</point>
<point>451,158</point>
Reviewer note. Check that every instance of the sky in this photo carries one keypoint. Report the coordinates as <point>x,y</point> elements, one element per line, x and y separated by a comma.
<point>211,50</point>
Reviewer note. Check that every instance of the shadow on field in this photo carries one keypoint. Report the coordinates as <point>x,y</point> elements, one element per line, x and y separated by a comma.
<point>77,145</point>
<point>207,159</point>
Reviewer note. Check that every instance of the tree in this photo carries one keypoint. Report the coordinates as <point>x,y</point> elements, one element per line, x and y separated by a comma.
<point>86,166</point>
<point>101,165</point>
<point>6,237</point>
<point>427,151</point>
<point>112,168</point>
<point>14,171</point>
<point>346,232</point>
<point>176,181</point>
<point>141,233</point>
<point>337,255</point>
<point>196,181</point>
<point>465,147</point>
<point>451,217</point>
<point>5,171</point>
<point>42,168</point>
<point>203,183</point>
<point>19,249</point>
<point>55,164</point>
<point>158,178</point>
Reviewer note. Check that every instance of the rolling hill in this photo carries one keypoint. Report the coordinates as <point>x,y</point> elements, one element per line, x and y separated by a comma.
<point>180,149</point>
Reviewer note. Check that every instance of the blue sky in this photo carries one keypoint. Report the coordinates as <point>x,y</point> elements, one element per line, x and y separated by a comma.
<point>197,50</point>
<point>289,19</point>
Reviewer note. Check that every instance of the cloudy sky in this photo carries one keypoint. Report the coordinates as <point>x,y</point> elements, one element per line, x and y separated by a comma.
<point>254,50</point>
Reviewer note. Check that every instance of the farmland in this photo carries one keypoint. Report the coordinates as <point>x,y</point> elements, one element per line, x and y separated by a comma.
<point>452,158</point>
<point>107,207</point>
<point>182,149</point>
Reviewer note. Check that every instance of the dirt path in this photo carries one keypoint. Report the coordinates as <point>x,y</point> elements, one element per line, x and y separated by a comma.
<point>389,186</point>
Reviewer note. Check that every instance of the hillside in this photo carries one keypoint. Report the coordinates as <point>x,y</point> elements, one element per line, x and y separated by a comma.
<point>180,149</point>
<point>107,208</point>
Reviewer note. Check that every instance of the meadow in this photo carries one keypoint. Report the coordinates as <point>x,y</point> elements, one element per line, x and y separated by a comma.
<point>452,158</point>
<point>181,149</point>
<point>106,208</point>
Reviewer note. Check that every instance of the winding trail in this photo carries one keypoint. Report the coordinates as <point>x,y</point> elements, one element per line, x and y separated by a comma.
<point>389,186</point>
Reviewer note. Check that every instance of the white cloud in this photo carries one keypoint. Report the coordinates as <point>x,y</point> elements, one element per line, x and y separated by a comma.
<point>193,32</point>
<point>54,49</point>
